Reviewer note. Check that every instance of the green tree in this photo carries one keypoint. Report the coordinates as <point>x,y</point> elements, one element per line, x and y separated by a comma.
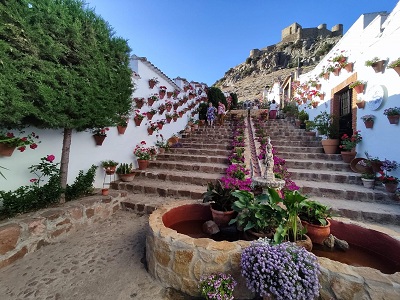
<point>234,100</point>
<point>61,66</point>
<point>215,95</point>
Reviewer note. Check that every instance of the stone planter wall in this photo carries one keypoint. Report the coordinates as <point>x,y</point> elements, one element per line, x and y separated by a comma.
<point>29,232</point>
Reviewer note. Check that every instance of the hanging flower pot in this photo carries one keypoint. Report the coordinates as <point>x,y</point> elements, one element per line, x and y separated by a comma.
<point>318,86</point>
<point>150,101</point>
<point>359,89</point>
<point>121,129</point>
<point>336,72</point>
<point>137,121</point>
<point>176,105</point>
<point>161,94</point>
<point>349,67</point>
<point>394,119</point>
<point>168,119</point>
<point>175,118</point>
<point>360,104</point>
<point>169,94</point>
<point>378,66</point>
<point>149,115</point>
<point>6,150</point>
<point>152,83</point>
<point>160,125</point>
<point>180,114</point>
<point>315,104</point>
<point>326,76</point>
<point>168,108</point>
<point>369,124</point>
<point>397,69</point>
<point>150,131</point>
<point>139,102</point>
<point>99,139</point>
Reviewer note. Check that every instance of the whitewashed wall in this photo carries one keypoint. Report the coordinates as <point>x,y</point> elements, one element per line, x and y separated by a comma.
<point>371,35</point>
<point>84,151</point>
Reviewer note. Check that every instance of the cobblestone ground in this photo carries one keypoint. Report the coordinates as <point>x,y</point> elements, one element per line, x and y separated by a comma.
<point>101,261</point>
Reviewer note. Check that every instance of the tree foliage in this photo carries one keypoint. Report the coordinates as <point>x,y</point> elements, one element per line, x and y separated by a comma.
<point>215,95</point>
<point>60,66</point>
<point>234,100</point>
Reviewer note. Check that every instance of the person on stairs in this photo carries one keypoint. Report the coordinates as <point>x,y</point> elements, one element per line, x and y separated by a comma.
<point>273,109</point>
<point>211,112</point>
<point>221,113</point>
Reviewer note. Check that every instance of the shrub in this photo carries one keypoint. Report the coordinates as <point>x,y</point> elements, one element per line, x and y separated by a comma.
<point>82,186</point>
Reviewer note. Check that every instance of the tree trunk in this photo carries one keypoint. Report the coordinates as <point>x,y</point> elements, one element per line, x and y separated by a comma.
<point>65,160</point>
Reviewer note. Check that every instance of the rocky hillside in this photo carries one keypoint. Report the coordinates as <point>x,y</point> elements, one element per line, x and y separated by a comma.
<point>264,66</point>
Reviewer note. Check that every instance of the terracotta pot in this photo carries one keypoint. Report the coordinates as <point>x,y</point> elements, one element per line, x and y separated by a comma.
<point>149,116</point>
<point>251,235</point>
<point>376,166</point>
<point>175,119</point>
<point>168,108</point>
<point>315,104</point>
<point>318,86</point>
<point>349,67</point>
<point>110,170</point>
<point>369,124</point>
<point>169,94</point>
<point>330,146</point>
<point>127,177</point>
<point>5,150</point>
<point>348,156</point>
<point>161,150</point>
<point>397,69</point>
<point>393,119</point>
<point>104,192</point>
<point>173,140</point>
<point>160,125</point>
<point>139,103</point>
<point>317,233</point>
<point>326,76</point>
<point>391,187</point>
<point>143,164</point>
<point>150,101</point>
<point>378,66</point>
<point>306,243</point>
<point>150,131</point>
<point>152,83</point>
<point>360,104</point>
<point>222,218</point>
<point>121,129</point>
<point>161,94</point>
<point>336,72</point>
<point>368,183</point>
<point>175,105</point>
<point>99,139</point>
<point>168,120</point>
<point>137,121</point>
<point>161,111</point>
<point>359,88</point>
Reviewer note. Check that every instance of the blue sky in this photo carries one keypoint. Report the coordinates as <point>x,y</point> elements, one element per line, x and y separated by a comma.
<point>202,39</point>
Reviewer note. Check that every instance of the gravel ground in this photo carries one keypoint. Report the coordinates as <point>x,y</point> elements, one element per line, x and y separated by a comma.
<point>103,261</point>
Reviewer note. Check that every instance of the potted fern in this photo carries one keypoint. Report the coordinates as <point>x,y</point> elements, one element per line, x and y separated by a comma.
<point>376,63</point>
<point>395,65</point>
<point>126,172</point>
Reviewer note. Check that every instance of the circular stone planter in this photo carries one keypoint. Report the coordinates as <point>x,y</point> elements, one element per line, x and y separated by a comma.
<point>178,261</point>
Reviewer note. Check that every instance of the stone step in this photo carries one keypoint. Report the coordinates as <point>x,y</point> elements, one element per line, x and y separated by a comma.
<point>296,143</point>
<point>200,151</point>
<point>325,176</point>
<point>345,191</point>
<point>197,167</point>
<point>144,185</point>
<point>309,156</point>
<point>298,149</point>
<point>207,145</point>
<point>198,139</point>
<point>223,159</point>
<point>380,213</point>
<point>318,165</point>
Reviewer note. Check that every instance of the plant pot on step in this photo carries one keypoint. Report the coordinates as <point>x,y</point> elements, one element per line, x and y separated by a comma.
<point>391,187</point>
<point>127,177</point>
<point>348,156</point>
<point>305,242</point>
<point>330,145</point>
<point>368,183</point>
<point>104,192</point>
<point>376,166</point>
<point>251,235</point>
<point>143,164</point>
<point>317,233</point>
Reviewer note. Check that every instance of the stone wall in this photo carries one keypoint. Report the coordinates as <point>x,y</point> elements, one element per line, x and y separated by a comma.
<point>29,232</point>
<point>295,32</point>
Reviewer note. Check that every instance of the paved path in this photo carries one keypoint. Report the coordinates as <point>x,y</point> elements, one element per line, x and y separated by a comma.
<point>99,262</point>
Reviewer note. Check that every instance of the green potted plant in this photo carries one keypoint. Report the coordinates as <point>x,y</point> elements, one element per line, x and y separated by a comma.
<point>258,216</point>
<point>368,121</point>
<point>217,286</point>
<point>376,63</point>
<point>368,179</point>
<point>303,117</point>
<point>314,217</point>
<point>221,200</point>
<point>9,142</point>
<point>310,125</point>
<point>358,86</point>
<point>126,172</point>
<point>348,146</point>
<point>326,126</point>
<point>393,114</point>
<point>395,65</point>
<point>109,166</point>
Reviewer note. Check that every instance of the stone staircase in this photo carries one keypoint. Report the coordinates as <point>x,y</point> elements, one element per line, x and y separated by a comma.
<point>184,172</point>
<point>327,179</point>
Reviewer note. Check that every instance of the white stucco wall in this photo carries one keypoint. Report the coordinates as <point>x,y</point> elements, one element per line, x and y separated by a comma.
<point>371,35</point>
<point>84,152</point>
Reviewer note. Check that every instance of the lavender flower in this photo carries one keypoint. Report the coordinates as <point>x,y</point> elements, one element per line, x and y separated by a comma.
<point>218,286</point>
<point>284,271</point>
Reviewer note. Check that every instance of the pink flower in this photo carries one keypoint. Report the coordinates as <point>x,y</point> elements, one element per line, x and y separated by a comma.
<point>50,158</point>
<point>33,180</point>
<point>33,146</point>
<point>22,148</point>
<point>10,134</point>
